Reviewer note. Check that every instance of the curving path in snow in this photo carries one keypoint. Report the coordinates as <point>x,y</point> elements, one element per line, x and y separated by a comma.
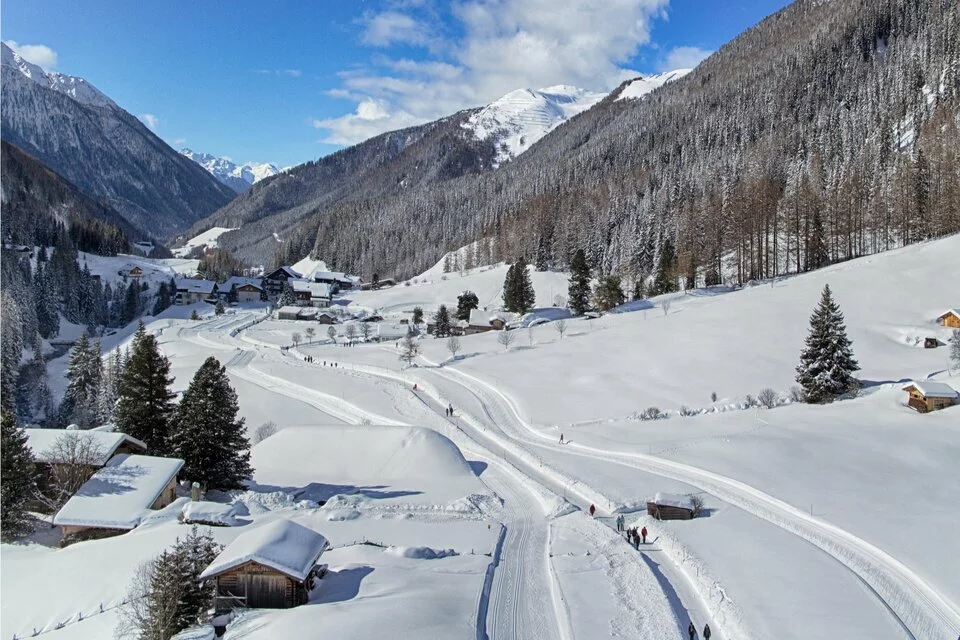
<point>920,609</point>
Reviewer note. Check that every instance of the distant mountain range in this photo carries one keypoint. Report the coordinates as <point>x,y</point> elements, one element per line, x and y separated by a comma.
<point>70,126</point>
<point>238,177</point>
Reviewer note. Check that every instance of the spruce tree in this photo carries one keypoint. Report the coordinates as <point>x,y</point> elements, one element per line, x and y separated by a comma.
<point>826,363</point>
<point>639,291</point>
<point>510,288</point>
<point>526,296</point>
<point>17,478</point>
<point>207,434</point>
<point>466,302</point>
<point>145,402</point>
<point>955,347</point>
<point>441,321</point>
<point>84,375</point>
<point>287,297</point>
<point>578,293</point>
<point>608,293</point>
<point>665,279</point>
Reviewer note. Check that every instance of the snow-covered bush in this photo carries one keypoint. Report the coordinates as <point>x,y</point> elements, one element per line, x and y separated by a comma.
<point>264,431</point>
<point>652,413</point>
<point>796,394</point>
<point>749,401</point>
<point>686,411</point>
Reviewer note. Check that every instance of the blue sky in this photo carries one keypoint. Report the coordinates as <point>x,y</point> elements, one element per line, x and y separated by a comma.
<point>286,82</point>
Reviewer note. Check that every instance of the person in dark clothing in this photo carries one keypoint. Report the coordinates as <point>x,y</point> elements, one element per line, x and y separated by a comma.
<point>643,532</point>
<point>692,631</point>
<point>593,510</point>
<point>451,411</point>
<point>706,632</point>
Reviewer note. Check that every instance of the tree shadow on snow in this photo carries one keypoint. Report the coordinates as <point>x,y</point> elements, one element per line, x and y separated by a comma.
<point>675,603</point>
<point>339,586</point>
<point>320,492</point>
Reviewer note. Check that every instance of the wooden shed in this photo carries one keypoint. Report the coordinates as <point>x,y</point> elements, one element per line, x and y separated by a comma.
<point>930,396</point>
<point>666,506</point>
<point>949,318</point>
<point>269,567</point>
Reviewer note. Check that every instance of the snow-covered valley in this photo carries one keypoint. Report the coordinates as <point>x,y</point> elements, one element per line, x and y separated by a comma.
<point>819,521</point>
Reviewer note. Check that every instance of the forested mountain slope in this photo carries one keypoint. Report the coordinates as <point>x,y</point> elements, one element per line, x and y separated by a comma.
<point>827,131</point>
<point>104,151</point>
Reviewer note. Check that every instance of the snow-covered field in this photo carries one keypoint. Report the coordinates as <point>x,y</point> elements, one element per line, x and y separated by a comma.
<point>834,521</point>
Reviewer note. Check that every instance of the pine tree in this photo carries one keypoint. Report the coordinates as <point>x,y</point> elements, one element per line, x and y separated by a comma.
<point>441,321</point>
<point>417,316</point>
<point>85,373</point>
<point>145,402</point>
<point>287,297</point>
<point>665,279</point>
<point>195,553</point>
<point>510,288</point>
<point>11,348</point>
<point>45,294</point>
<point>17,478</point>
<point>608,293</point>
<point>466,302</point>
<point>578,293</point>
<point>826,364</point>
<point>955,347</point>
<point>110,387</point>
<point>639,291</point>
<point>219,309</point>
<point>207,434</point>
<point>526,296</point>
<point>232,295</point>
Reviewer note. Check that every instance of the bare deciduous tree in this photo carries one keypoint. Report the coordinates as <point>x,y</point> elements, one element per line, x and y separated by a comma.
<point>561,327</point>
<point>72,459</point>
<point>453,346</point>
<point>296,337</point>
<point>365,331</point>
<point>310,331</point>
<point>264,431</point>
<point>665,305</point>
<point>768,398</point>
<point>332,333</point>
<point>506,338</point>
<point>351,331</point>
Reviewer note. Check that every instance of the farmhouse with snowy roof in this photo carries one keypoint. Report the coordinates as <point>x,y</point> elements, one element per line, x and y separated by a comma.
<point>312,294</point>
<point>950,318</point>
<point>271,567</point>
<point>191,290</point>
<point>118,497</point>
<point>247,289</point>
<point>930,396</point>
<point>275,280</point>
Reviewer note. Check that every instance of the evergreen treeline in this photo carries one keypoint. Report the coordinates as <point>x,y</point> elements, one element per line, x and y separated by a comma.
<point>826,132</point>
<point>219,265</point>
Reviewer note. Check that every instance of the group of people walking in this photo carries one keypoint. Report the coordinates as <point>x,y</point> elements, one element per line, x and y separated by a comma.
<point>692,631</point>
<point>449,411</point>
<point>634,537</point>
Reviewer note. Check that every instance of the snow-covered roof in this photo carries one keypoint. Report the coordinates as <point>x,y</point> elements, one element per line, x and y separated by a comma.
<point>316,289</point>
<point>332,275</point>
<point>42,442</point>
<point>239,281</point>
<point>673,500</point>
<point>933,389</point>
<point>288,309</point>
<point>483,318</point>
<point>192,285</point>
<point>209,513</point>
<point>289,271</point>
<point>949,312</point>
<point>290,548</point>
<point>120,494</point>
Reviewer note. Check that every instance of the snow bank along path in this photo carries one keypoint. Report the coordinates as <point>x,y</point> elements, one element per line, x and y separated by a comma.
<point>920,608</point>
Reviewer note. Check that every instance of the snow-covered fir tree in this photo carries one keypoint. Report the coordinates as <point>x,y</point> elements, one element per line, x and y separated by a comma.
<point>206,432</point>
<point>955,347</point>
<point>826,363</point>
<point>665,279</point>
<point>17,478</point>
<point>287,296</point>
<point>145,401</point>
<point>578,293</point>
<point>466,302</point>
<point>608,293</point>
<point>441,321</point>
<point>85,374</point>
<point>518,293</point>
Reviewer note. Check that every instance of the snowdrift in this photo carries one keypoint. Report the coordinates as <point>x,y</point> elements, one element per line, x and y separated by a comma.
<point>357,454</point>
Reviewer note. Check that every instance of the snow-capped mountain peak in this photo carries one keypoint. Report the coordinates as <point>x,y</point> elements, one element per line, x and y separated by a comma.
<point>639,87</point>
<point>77,88</point>
<point>237,177</point>
<point>521,117</point>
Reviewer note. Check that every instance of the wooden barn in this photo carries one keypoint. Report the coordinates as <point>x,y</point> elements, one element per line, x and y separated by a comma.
<point>930,396</point>
<point>269,567</point>
<point>949,318</point>
<point>666,506</point>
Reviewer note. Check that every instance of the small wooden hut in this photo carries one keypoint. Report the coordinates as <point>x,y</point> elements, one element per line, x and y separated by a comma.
<point>269,567</point>
<point>666,506</point>
<point>928,396</point>
<point>949,318</point>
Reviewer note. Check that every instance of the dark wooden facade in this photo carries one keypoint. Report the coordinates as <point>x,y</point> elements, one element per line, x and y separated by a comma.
<point>256,586</point>
<point>668,512</point>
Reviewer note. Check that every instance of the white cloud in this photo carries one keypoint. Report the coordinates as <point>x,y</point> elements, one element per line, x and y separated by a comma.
<point>150,120</point>
<point>38,54</point>
<point>682,58</point>
<point>179,142</point>
<point>290,73</point>
<point>502,45</point>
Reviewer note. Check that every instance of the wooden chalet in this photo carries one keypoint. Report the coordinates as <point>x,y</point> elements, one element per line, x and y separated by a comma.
<point>929,396</point>
<point>135,273</point>
<point>247,289</point>
<point>666,506</point>
<point>273,566</point>
<point>949,318</point>
<point>118,497</point>
<point>274,281</point>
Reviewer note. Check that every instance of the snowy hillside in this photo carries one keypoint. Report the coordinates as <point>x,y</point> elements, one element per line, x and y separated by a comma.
<point>77,88</point>
<point>520,118</point>
<point>238,177</point>
<point>208,238</point>
<point>640,87</point>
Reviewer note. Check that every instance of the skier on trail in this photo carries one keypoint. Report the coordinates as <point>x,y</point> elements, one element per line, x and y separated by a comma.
<point>593,510</point>
<point>691,630</point>
<point>706,632</point>
<point>643,532</point>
